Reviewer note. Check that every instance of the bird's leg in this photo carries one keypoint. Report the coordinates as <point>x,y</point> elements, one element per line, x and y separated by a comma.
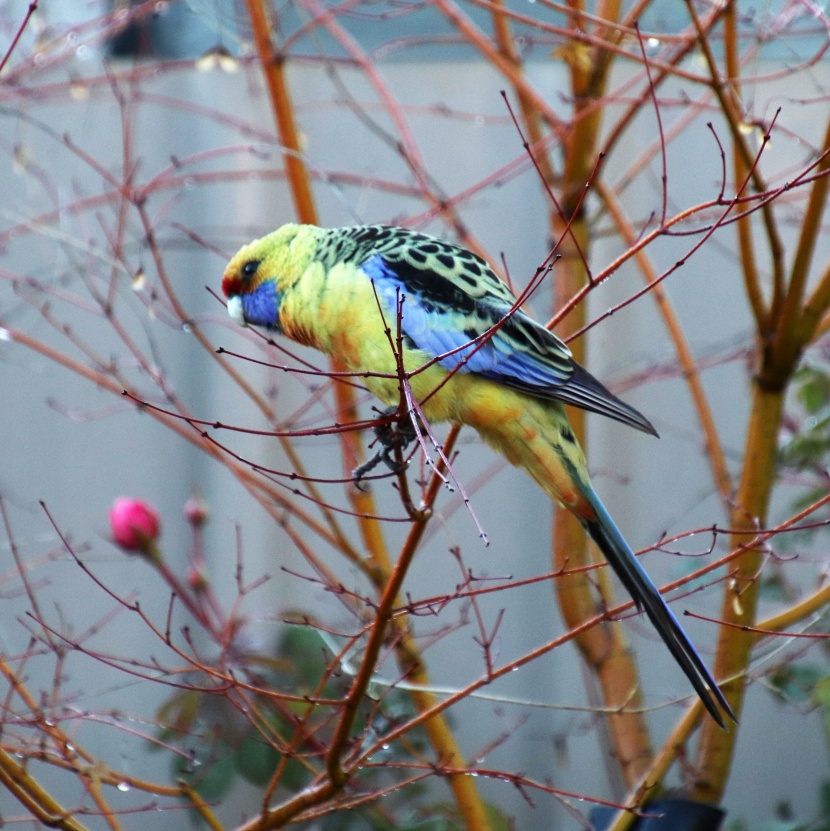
<point>390,435</point>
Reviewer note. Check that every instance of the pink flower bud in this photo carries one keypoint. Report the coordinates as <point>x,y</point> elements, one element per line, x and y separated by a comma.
<point>135,524</point>
<point>196,511</point>
<point>197,579</point>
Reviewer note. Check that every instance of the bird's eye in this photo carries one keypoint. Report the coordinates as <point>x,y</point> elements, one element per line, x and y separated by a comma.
<point>250,268</point>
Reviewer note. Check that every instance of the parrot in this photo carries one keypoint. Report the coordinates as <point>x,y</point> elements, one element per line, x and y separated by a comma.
<point>471,356</point>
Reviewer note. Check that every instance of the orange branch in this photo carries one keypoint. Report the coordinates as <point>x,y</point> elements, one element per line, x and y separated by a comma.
<point>714,449</point>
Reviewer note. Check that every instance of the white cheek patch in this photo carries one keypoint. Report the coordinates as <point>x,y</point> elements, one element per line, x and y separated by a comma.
<point>236,311</point>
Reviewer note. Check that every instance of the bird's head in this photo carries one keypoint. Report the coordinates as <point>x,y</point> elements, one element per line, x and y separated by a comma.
<point>260,272</point>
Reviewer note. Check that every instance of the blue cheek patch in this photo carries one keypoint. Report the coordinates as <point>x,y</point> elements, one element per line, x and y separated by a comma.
<point>262,306</point>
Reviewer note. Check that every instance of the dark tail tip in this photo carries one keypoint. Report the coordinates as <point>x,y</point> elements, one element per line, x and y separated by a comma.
<point>645,594</point>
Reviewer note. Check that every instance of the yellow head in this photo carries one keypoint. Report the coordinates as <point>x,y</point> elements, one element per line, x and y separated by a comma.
<point>260,272</point>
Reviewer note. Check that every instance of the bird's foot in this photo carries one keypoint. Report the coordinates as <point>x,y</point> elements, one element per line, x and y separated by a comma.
<point>390,435</point>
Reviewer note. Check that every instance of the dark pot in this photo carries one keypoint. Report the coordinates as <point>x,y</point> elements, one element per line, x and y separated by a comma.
<point>670,815</point>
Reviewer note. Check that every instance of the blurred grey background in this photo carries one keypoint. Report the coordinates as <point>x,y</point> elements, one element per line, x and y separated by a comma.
<point>76,447</point>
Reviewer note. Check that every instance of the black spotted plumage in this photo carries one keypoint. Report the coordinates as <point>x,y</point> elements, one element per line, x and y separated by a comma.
<point>443,278</point>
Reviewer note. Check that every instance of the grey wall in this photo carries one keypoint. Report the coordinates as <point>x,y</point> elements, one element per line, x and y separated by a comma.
<point>76,447</point>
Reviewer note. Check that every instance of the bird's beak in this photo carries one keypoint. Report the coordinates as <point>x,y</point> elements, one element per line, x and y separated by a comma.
<point>236,311</point>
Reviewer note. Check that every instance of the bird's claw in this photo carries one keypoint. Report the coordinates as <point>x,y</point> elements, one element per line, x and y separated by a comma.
<point>391,435</point>
<point>361,471</point>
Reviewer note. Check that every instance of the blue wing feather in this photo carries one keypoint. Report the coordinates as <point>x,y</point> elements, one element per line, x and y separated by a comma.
<point>442,316</point>
<point>438,329</point>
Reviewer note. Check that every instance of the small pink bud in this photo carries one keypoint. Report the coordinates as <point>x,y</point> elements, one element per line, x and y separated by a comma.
<point>197,579</point>
<point>196,511</point>
<point>135,524</point>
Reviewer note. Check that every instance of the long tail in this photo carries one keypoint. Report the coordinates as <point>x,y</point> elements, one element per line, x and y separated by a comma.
<point>607,536</point>
<point>535,435</point>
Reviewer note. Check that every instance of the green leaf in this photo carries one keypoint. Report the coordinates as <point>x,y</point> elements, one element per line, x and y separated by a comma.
<point>302,646</point>
<point>213,779</point>
<point>824,788</point>
<point>821,695</point>
<point>814,392</point>
<point>499,821</point>
<point>796,682</point>
<point>257,760</point>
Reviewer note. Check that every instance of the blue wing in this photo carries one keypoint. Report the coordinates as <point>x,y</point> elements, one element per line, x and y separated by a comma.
<point>461,299</point>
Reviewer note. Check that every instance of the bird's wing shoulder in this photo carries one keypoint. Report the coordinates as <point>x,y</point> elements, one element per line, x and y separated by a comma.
<point>456,307</point>
<point>454,303</point>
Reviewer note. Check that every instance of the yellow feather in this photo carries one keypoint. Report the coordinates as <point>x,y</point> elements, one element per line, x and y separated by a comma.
<point>321,298</point>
